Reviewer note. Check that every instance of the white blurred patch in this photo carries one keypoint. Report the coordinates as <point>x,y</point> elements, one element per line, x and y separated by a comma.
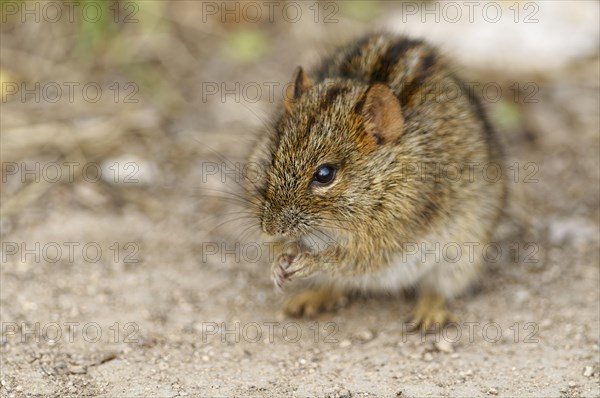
<point>576,230</point>
<point>512,36</point>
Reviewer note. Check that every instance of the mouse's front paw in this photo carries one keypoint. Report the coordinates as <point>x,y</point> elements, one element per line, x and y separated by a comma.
<point>279,269</point>
<point>287,266</point>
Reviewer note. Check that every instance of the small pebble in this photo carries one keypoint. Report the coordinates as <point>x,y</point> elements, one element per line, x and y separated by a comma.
<point>345,343</point>
<point>427,357</point>
<point>469,372</point>
<point>366,335</point>
<point>493,391</point>
<point>444,346</point>
<point>588,371</point>
<point>572,384</point>
<point>77,370</point>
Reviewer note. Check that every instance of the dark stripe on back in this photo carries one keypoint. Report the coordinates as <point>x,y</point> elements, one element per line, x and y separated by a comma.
<point>479,112</point>
<point>386,63</point>
<point>346,66</point>
<point>331,94</point>
<point>495,150</point>
<point>414,85</point>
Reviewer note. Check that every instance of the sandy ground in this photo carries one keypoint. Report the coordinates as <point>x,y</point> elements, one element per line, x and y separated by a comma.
<point>117,289</point>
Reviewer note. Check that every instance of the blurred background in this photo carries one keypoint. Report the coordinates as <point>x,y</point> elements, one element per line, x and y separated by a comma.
<point>113,116</point>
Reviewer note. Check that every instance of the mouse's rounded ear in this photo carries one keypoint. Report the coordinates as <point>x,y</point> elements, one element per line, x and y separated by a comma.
<point>380,109</point>
<point>299,84</point>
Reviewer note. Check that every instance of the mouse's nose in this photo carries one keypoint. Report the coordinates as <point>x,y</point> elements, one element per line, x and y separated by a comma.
<point>283,222</point>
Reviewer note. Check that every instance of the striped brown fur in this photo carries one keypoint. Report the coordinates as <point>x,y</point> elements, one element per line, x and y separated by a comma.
<point>372,111</point>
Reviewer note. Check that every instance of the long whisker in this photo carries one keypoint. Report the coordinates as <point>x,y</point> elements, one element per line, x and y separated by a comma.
<point>210,218</point>
<point>245,232</point>
<point>229,196</point>
<point>329,237</point>
<point>231,193</point>
<point>313,241</point>
<point>232,164</point>
<point>251,218</point>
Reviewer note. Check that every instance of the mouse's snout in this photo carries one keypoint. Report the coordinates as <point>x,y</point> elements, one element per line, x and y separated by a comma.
<point>281,221</point>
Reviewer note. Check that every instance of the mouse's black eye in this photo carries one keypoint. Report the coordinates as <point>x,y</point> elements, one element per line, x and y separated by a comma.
<point>325,174</point>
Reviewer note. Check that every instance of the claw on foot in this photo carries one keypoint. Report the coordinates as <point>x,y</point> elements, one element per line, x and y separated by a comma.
<point>431,313</point>
<point>311,303</point>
